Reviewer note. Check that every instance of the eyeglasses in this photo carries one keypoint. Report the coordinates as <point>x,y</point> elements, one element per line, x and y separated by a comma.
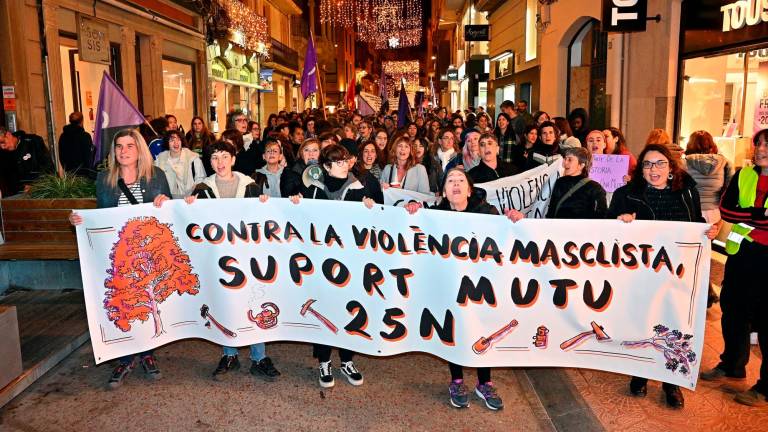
<point>340,163</point>
<point>659,164</point>
<point>241,120</point>
<point>448,137</point>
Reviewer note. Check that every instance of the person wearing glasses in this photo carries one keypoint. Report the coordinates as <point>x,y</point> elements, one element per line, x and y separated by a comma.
<point>237,120</point>
<point>339,184</point>
<point>659,190</point>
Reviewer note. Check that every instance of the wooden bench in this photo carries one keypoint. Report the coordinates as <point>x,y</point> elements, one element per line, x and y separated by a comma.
<point>39,229</point>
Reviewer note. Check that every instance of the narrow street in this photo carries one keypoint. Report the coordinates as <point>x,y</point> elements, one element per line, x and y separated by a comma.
<point>407,392</point>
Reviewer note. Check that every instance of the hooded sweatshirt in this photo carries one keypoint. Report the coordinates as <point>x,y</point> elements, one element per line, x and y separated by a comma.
<point>272,188</point>
<point>712,173</point>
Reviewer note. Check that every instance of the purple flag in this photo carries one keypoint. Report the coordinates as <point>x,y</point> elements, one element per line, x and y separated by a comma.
<point>309,76</point>
<point>115,110</point>
<point>403,108</point>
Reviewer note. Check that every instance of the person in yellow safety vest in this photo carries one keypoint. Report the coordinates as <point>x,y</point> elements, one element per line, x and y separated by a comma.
<point>744,297</point>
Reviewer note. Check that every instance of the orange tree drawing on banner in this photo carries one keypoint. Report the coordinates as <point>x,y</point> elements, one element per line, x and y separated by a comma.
<point>148,265</point>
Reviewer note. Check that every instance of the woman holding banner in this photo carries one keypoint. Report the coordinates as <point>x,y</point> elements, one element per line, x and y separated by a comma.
<point>339,184</point>
<point>459,196</point>
<point>744,298</point>
<point>659,190</point>
<point>130,178</point>
<point>226,183</point>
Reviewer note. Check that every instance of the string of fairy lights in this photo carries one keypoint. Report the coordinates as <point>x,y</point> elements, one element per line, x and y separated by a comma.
<point>387,24</point>
<point>249,24</point>
<point>396,71</point>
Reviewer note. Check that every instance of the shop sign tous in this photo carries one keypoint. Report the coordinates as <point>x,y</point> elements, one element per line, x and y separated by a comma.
<point>744,13</point>
<point>93,40</point>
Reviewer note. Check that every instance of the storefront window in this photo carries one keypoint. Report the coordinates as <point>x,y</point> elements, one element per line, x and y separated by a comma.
<point>179,91</point>
<point>220,95</point>
<point>81,82</point>
<point>717,99</point>
<point>587,61</point>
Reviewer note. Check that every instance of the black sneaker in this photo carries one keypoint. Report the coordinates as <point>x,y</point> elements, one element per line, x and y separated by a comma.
<point>119,374</point>
<point>353,375</point>
<point>326,375</point>
<point>226,364</point>
<point>150,367</point>
<point>265,368</point>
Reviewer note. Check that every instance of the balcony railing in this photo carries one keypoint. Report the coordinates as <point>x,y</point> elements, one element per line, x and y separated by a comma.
<point>283,55</point>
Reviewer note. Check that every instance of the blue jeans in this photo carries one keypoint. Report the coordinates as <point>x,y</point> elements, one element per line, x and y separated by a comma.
<point>258,352</point>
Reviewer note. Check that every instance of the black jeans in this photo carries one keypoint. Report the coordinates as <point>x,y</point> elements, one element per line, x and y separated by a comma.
<point>457,373</point>
<point>744,301</point>
<point>323,353</point>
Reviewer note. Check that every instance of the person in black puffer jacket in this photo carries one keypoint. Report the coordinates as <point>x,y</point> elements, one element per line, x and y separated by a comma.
<point>659,190</point>
<point>339,184</point>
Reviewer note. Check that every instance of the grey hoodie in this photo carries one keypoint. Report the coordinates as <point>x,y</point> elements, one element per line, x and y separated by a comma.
<point>712,173</point>
<point>272,188</point>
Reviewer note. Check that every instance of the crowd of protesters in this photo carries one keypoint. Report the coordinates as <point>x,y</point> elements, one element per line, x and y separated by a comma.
<point>349,157</point>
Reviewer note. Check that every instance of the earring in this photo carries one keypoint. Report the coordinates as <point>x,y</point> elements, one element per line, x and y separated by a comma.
<point>670,176</point>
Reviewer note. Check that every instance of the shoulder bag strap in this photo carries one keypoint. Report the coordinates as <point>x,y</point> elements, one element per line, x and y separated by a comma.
<point>571,191</point>
<point>127,192</point>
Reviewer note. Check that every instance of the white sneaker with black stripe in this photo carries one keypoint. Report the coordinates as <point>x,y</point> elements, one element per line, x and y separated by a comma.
<point>326,375</point>
<point>353,375</point>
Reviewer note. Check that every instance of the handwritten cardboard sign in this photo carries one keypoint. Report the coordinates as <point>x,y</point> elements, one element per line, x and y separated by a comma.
<point>609,170</point>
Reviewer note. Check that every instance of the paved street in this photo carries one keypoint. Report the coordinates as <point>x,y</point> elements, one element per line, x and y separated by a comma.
<point>407,392</point>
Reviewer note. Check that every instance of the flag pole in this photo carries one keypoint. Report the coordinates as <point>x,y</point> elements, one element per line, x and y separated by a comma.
<point>319,79</point>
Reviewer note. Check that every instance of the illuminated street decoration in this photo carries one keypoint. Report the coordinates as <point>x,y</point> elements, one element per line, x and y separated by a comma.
<point>383,23</point>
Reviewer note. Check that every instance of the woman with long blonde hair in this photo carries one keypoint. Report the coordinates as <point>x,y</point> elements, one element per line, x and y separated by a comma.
<point>130,178</point>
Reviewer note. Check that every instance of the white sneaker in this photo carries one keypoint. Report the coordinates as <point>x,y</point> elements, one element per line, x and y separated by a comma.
<point>353,375</point>
<point>326,375</point>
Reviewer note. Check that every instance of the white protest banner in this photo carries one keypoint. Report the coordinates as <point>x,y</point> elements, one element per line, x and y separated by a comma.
<point>609,170</point>
<point>473,289</point>
<point>401,197</point>
<point>528,192</point>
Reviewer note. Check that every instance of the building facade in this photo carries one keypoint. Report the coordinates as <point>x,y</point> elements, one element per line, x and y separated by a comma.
<point>513,51</point>
<point>155,50</point>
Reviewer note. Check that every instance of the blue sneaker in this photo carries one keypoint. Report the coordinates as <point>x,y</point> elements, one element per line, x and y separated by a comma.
<point>487,392</point>
<point>459,394</point>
